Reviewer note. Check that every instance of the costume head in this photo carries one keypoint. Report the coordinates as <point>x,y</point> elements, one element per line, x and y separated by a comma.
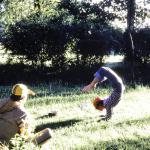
<point>98,103</point>
<point>20,91</point>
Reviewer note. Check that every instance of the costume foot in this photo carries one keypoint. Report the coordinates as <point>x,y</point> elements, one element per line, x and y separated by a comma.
<point>104,119</point>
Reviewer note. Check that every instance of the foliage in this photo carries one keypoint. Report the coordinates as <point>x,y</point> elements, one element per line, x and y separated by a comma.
<point>12,73</point>
<point>141,40</point>
<point>16,10</point>
<point>41,30</point>
<point>39,41</point>
<point>99,43</point>
<point>19,143</point>
<point>142,45</point>
<point>102,12</point>
<point>36,42</point>
<point>84,11</point>
<point>90,30</point>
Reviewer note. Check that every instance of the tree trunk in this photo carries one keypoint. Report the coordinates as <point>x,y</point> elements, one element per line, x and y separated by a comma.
<point>130,30</point>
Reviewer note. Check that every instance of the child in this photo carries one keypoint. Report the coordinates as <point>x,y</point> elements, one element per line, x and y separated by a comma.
<point>101,75</point>
<point>13,115</point>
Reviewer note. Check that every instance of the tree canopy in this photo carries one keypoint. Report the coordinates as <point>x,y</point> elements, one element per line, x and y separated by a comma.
<point>38,31</point>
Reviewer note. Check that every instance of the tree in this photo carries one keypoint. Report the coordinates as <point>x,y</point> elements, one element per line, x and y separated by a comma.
<point>130,29</point>
<point>91,31</point>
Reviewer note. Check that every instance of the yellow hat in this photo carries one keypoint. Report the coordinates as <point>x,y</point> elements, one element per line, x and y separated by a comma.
<point>21,89</point>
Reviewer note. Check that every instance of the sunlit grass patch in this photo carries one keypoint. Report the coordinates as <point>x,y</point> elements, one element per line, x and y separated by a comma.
<point>76,125</point>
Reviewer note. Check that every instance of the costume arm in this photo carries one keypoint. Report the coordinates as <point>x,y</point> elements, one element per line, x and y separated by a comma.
<point>24,127</point>
<point>99,76</point>
<point>91,85</point>
<point>8,106</point>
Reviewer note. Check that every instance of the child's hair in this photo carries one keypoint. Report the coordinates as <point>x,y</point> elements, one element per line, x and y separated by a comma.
<point>15,97</point>
<point>98,103</point>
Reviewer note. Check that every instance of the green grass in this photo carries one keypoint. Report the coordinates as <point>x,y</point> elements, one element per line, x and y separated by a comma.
<point>77,125</point>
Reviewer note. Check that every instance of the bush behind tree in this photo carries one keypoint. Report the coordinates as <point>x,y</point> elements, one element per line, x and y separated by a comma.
<point>36,42</point>
<point>82,28</point>
<point>141,55</point>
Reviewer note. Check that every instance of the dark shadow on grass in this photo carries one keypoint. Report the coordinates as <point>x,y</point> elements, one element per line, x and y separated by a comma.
<point>50,114</point>
<point>55,125</point>
<point>133,122</point>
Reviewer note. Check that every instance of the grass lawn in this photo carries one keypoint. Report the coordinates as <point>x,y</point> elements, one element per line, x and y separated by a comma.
<point>77,125</point>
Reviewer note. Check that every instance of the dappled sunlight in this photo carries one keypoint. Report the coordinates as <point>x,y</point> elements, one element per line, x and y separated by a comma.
<point>114,58</point>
